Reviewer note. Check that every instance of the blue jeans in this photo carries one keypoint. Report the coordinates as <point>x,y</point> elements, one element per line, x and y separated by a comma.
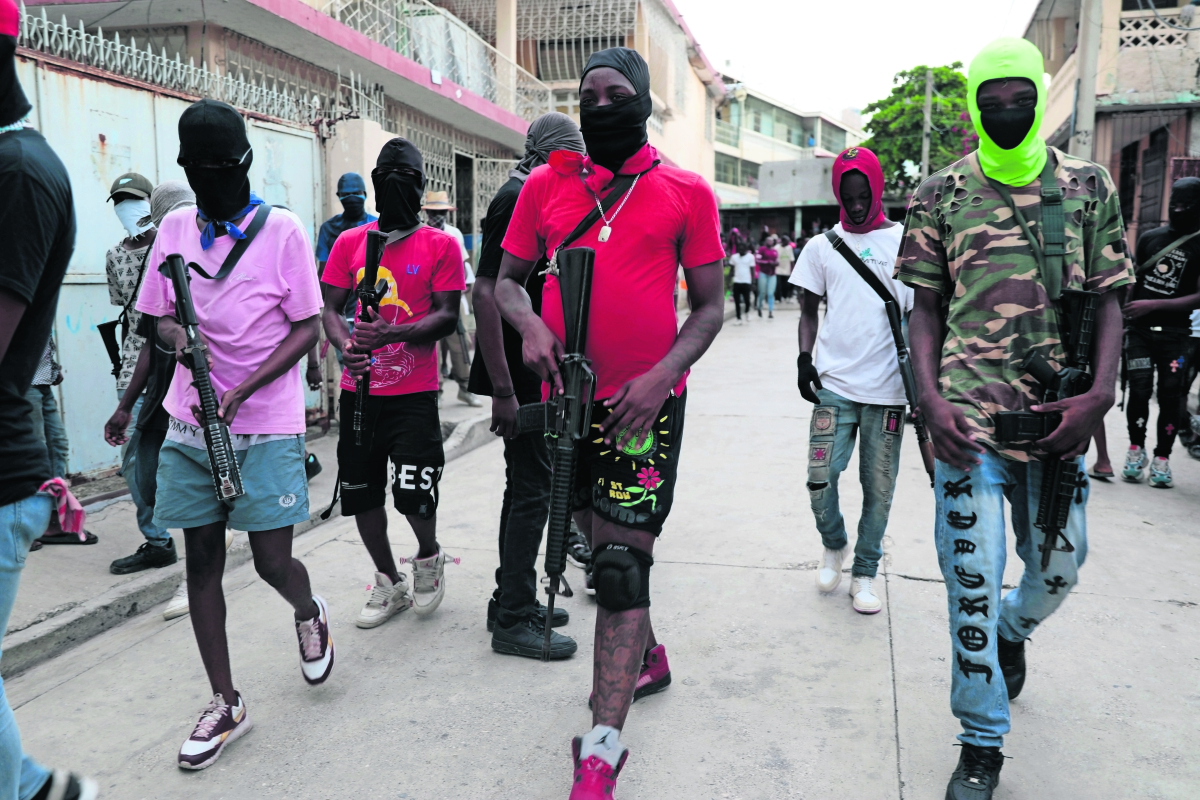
<point>835,424</point>
<point>48,426</point>
<point>766,291</point>
<point>20,523</point>
<point>971,552</point>
<point>154,534</point>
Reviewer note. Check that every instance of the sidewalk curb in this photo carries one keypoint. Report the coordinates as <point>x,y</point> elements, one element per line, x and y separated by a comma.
<point>51,637</point>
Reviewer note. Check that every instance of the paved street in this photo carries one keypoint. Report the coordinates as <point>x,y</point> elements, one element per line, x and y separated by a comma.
<point>779,692</point>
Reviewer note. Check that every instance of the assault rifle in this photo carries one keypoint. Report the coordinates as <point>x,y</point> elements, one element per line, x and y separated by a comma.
<point>227,477</point>
<point>924,444</point>
<point>371,290</point>
<point>1061,480</point>
<point>565,419</point>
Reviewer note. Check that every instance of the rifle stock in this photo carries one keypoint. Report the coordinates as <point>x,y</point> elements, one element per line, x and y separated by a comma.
<point>370,292</point>
<point>227,476</point>
<point>924,444</point>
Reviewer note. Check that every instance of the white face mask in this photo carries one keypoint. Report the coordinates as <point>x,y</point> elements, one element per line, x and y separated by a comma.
<point>129,212</point>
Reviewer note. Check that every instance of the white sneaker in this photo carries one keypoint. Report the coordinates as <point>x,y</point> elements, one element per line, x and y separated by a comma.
<point>429,582</point>
<point>830,573</point>
<point>1136,461</point>
<point>178,606</point>
<point>228,539</point>
<point>386,600</point>
<point>864,599</point>
<point>469,399</point>
<point>1160,473</point>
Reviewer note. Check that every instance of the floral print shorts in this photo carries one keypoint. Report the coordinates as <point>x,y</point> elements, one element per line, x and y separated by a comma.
<point>632,487</point>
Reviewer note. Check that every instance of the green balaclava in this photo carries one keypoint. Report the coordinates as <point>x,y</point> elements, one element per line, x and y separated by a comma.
<point>1009,58</point>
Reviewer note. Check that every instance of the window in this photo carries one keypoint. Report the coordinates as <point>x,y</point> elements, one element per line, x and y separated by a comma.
<point>731,170</point>
<point>833,138</point>
<point>566,101</point>
<point>563,60</point>
<point>1134,5</point>
<point>761,116</point>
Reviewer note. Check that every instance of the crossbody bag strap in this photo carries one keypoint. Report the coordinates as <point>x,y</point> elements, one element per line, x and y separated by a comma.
<point>231,260</point>
<point>619,186</point>
<point>1148,263</point>
<point>1050,257</point>
<point>864,272</point>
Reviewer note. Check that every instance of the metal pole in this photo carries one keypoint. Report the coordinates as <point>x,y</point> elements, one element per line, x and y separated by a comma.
<point>1083,140</point>
<point>927,133</point>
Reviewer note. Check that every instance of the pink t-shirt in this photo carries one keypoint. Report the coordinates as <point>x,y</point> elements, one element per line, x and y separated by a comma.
<point>427,261</point>
<point>244,316</point>
<point>670,219</point>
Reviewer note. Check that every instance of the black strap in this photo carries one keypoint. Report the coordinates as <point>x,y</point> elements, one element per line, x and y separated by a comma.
<point>864,272</point>
<point>1050,256</point>
<point>231,260</point>
<point>619,186</point>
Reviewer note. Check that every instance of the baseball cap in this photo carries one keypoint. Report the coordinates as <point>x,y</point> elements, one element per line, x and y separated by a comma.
<point>130,183</point>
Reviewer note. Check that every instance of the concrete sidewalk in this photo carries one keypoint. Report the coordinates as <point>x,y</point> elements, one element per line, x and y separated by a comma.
<point>779,691</point>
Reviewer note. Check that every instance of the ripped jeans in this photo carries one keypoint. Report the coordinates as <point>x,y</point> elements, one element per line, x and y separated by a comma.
<point>836,422</point>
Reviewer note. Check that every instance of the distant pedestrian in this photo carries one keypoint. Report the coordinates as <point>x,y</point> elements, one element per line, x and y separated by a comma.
<point>742,263</point>
<point>767,260</point>
<point>787,256</point>
<point>437,207</point>
<point>37,225</point>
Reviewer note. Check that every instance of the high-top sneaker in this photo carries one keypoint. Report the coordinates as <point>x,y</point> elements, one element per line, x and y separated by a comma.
<point>1135,464</point>
<point>1011,656</point>
<point>387,599</point>
<point>220,723</point>
<point>429,581</point>
<point>595,778</point>
<point>977,774</point>
<point>863,596</point>
<point>654,677</point>
<point>830,573</point>
<point>316,645</point>
<point>1160,473</point>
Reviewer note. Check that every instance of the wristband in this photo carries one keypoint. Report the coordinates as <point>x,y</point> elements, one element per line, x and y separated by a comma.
<point>502,396</point>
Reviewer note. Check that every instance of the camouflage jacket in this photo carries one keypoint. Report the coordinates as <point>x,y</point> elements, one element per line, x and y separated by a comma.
<point>962,241</point>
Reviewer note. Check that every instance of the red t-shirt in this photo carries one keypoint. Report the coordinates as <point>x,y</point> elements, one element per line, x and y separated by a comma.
<point>670,218</point>
<point>425,262</point>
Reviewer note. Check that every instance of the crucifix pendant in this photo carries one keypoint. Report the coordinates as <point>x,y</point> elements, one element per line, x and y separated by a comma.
<point>605,232</point>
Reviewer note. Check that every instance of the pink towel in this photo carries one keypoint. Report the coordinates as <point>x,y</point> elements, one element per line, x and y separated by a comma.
<point>70,512</point>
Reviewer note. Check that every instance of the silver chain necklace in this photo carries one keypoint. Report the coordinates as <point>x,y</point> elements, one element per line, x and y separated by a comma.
<point>606,231</point>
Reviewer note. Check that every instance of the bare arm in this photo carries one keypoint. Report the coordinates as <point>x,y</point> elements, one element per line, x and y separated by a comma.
<point>810,305</point>
<point>540,348</point>
<point>374,332</point>
<point>337,331</point>
<point>114,429</point>
<point>489,338</point>
<point>1138,308</point>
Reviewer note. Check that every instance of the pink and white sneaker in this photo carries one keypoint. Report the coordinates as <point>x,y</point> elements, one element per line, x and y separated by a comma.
<point>595,778</point>
<point>220,723</point>
<point>654,677</point>
<point>316,645</point>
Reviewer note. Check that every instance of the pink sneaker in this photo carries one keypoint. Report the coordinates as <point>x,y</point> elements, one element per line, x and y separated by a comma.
<point>594,778</point>
<point>654,677</point>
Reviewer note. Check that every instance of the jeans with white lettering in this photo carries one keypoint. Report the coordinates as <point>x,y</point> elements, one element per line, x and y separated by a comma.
<point>971,551</point>
<point>836,423</point>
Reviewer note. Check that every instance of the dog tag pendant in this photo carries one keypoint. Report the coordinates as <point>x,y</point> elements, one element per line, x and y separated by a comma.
<point>605,232</point>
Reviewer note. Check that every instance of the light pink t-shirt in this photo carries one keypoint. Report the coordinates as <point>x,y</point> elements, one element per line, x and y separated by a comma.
<point>244,316</point>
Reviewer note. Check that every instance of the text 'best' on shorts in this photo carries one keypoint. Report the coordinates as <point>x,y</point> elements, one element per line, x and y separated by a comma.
<point>272,470</point>
<point>404,429</point>
<point>633,487</point>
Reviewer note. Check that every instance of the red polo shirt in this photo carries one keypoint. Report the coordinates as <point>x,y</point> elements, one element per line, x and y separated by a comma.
<point>415,267</point>
<point>670,218</point>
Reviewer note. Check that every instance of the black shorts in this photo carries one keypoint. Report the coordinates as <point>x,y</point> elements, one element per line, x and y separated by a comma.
<point>633,490</point>
<point>404,428</point>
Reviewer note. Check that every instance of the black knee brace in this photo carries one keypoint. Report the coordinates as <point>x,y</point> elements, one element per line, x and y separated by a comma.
<point>621,575</point>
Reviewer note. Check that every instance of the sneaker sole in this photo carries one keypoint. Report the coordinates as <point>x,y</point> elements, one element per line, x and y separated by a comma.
<point>821,587</point>
<point>532,652</point>
<point>652,688</point>
<point>176,613</point>
<point>1132,478</point>
<point>367,624</point>
<point>574,562</point>
<point>422,611</point>
<point>866,611</point>
<point>1162,484</point>
<point>237,733</point>
<point>124,571</point>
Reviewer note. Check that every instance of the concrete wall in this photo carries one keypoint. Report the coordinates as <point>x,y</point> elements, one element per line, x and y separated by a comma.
<point>803,182</point>
<point>354,147</point>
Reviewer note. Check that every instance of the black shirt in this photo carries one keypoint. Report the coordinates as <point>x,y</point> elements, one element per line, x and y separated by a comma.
<point>1174,275</point>
<point>526,383</point>
<point>162,368</point>
<point>37,227</point>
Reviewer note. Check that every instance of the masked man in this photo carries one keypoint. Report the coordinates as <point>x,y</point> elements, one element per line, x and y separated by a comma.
<point>1158,335</point>
<point>625,476</point>
<point>424,271</point>
<point>352,194</point>
<point>990,273</point>
<point>855,382</point>
<point>258,319</point>
<point>515,616</point>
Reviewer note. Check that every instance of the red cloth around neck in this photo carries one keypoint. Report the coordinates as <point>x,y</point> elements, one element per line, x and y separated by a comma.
<point>866,162</point>
<point>566,162</point>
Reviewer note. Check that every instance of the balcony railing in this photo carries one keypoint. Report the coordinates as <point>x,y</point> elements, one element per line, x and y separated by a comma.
<point>436,39</point>
<point>727,133</point>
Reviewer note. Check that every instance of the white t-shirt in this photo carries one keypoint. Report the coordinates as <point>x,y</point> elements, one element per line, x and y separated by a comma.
<point>855,353</point>
<point>743,267</point>
<point>786,257</point>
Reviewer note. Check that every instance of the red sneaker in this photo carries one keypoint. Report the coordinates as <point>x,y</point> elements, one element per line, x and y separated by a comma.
<point>594,778</point>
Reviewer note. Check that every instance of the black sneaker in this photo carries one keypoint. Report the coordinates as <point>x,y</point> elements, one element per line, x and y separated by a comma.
<point>1012,664</point>
<point>578,551</point>
<point>148,556</point>
<point>525,639</point>
<point>589,586</point>
<point>977,775</point>
<point>561,617</point>
<point>67,786</point>
<point>312,467</point>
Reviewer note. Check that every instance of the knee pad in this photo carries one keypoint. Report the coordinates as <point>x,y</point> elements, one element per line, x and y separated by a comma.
<point>621,575</point>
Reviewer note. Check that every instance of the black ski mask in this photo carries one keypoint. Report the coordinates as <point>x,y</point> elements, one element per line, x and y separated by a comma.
<point>13,103</point>
<point>614,132</point>
<point>213,133</point>
<point>399,180</point>
<point>352,193</point>
<point>1007,127</point>
<point>1184,211</point>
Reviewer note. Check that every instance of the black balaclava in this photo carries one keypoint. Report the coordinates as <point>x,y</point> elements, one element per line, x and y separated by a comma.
<point>212,131</point>
<point>397,196</point>
<point>1185,192</point>
<point>615,132</point>
<point>1007,127</point>
<point>13,103</point>
<point>352,193</point>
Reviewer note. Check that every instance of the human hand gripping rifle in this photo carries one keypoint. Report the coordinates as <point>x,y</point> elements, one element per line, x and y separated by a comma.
<point>910,388</point>
<point>566,418</point>
<point>1062,481</point>
<point>371,291</point>
<point>227,477</point>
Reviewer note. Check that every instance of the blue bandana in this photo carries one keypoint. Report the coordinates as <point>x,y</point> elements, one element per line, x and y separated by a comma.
<point>209,234</point>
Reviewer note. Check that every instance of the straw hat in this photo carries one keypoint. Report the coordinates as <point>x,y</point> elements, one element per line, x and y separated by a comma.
<point>438,201</point>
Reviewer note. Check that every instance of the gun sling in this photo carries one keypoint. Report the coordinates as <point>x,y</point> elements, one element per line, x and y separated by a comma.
<point>235,255</point>
<point>620,185</point>
<point>1054,222</point>
<point>108,330</point>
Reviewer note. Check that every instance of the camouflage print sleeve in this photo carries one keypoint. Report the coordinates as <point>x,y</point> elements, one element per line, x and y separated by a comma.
<point>922,258</point>
<point>1108,265</point>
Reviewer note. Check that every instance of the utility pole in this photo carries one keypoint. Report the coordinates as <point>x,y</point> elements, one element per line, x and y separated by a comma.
<point>1082,138</point>
<point>928,124</point>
